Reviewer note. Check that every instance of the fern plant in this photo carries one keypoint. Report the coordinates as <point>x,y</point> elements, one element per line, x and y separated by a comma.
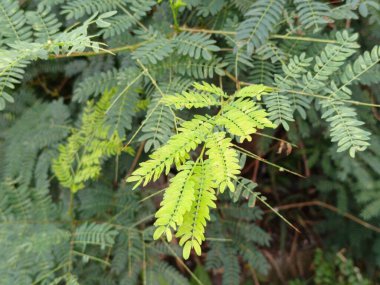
<point>217,102</point>
<point>192,191</point>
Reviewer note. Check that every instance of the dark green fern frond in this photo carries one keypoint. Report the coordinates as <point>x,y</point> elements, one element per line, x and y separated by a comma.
<point>186,66</point>
<point>262,73</point>
<point>346,129</point>
<point>13,22</point>
<point>160,122</point>
<point>120,23</point>
<point>260,22</point>
<point>361,66</point>
<point>195,45</point>
<point>94,85</point>
<point>102,235</point>
<point>78,8</point>
<point>154,51</point>
<point>44,22</point>
<point>330,60</point>
<point>210,8</point>
<point>312,14</point>
<point>291,80</point>
<point>123,105</point>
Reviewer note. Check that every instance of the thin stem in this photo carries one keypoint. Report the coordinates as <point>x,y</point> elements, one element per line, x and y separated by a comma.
<point>93,53</point>
<point>331,208</point>
<point>136,159</point>
<point>285,37</point>
<point>357,103</point>
<point>71,206</point>
<point>92,257</point>
<point>179,260</point>
<point>124,90</point>
<point>255,156</point>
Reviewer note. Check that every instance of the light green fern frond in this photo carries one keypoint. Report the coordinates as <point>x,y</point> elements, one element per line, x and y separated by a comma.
<point>207,97</point>
<point>192,230</point>
<point>242,118</point>
<point>178,199</point>
<point>223,159</point>
<point>93,143</point>
<point>176,150</point>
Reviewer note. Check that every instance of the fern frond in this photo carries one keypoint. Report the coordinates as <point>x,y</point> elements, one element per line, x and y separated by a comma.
<point>93,140</point>
<point>154,51</point>
<point>158,129</point>
<point>176,150</point>
<point>12,65</point>
<point>239,62</point>
<point>78,8</point>
<point>312,13</point>
<point>191,232</point>
<point>94,85</point>
<point>189,99</point>
<point>123,105</point>
<point>253,91</point>
<point>44,22</point>
<point>94,234</point>
<point>330,60</point>
<point>119,24</point>
<point>199,69</point>
<point>210,7</point>
<point>244,188</point>
<point>260,22</point>
<point>223,158</point>
<point>161,123</point>
<point>291,80</point>
<point>242,118</point>
<point>346,129</point>
<point>279,109</point>
<point>361,66</point>
<point>195,45</point>
<point>207,97</point>
<point>263,73</point>
<point>271,51</point>
<point>13,22</point>
<point>178,199</point>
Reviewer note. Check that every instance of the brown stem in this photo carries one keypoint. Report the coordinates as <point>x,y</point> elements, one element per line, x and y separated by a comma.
<point>93,53</point>
<point>329,207</point>
<point>136,159</point>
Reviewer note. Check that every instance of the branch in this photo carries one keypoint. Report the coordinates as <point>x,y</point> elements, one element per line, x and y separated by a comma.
<point>331,208</point>
<point>93,53</point>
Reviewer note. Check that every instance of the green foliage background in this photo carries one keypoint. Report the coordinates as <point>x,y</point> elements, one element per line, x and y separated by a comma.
<point>271,104</point>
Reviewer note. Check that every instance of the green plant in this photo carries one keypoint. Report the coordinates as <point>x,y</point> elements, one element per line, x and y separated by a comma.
<point>194,98</point>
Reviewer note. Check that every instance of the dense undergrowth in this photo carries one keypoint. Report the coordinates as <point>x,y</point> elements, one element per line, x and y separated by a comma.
<point>189,142</point>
